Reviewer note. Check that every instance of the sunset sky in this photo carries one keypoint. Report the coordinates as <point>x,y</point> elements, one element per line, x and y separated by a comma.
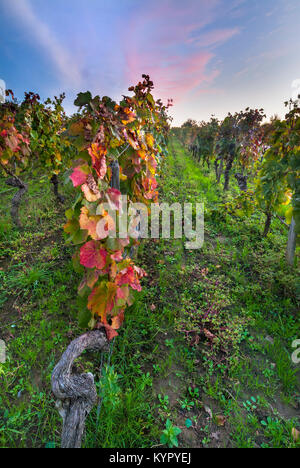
<point>210,56</point>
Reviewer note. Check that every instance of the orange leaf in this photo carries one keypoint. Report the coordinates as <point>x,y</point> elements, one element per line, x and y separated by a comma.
<point>89,223</point>
<point>117,321</point>
<point>110,331</point>
<point>98,153</point>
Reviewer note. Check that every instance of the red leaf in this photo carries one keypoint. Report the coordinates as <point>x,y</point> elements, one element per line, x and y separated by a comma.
<point>123,293</point>
<point>110,332</point>
<point>79,175</point>
<point>130,276</point>
<point>91,256</point>
<point>117,256</point>
<point>97,153</point>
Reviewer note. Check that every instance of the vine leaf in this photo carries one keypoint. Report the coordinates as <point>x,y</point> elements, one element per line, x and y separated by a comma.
<point>91,256</point>
<point>79,175</point>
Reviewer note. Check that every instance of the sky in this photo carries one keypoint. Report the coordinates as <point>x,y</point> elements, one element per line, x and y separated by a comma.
<point>210,56</point>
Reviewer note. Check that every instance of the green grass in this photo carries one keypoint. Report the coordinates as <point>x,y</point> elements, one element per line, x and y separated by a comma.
<point>207,344</point>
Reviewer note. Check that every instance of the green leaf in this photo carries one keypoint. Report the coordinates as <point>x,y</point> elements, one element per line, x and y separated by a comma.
<point>69,214</point>
<point>188,423</point>
<point>34,134</point>
<point>168,424</point>
<point>84,318</point>
<point>83,99</point>
<point>79,237</point>
<point>174,441</point>
<point>92,323</point>
<point>177,431</point>
<point>150,99</point>
<point>78,199</point>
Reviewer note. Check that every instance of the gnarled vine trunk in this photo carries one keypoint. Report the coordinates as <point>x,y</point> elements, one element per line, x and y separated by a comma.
<point>267,223</point>
<point>220,170</point>
<point>17,198</point>
<point>76,393</point>
<point>216,164</point>
<point>229,163</point>
<point>54,181</point>
<point>242,181</point>
<point>227,172</point>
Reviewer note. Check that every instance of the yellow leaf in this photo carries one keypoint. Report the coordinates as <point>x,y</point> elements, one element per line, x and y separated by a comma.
<point>289,215</point>
<point>288,198</point>
<point>150,140</point>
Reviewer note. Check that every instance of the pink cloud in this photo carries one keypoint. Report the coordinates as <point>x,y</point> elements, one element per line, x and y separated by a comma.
<point>166,44</point>
<point>175,76</point>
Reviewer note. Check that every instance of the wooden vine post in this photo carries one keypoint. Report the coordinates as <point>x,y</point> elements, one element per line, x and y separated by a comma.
<point>115,176</point>
<point>17,198</point>
<point>291,245</point>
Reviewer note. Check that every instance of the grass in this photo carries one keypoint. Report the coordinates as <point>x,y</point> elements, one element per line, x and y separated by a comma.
<point>207,345</point>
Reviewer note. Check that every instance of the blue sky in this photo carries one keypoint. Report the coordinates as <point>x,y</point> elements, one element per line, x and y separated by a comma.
<point>210,56</point>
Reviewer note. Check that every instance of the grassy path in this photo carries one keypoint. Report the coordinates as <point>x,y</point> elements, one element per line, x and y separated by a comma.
<point>207,345</point>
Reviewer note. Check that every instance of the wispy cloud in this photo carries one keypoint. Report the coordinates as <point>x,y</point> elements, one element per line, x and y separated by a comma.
<point>213,38</point>
<point>39,31</point>
<point>258,63</point>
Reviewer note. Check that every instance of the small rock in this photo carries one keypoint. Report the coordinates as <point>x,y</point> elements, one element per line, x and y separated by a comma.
<point>208,411</point>
<point>269,339</point>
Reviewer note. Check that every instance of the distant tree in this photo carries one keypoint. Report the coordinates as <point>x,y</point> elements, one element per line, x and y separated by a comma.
<point>189,123</point>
